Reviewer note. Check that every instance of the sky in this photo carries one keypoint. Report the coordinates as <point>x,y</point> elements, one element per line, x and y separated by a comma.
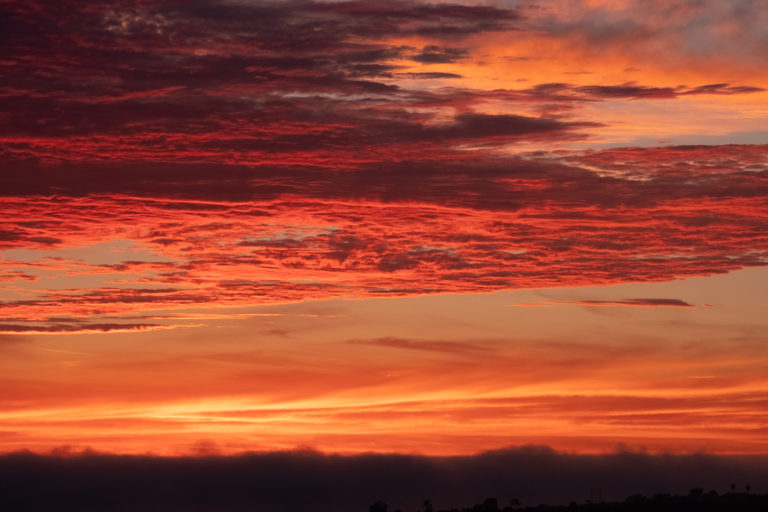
<point>407,227</point>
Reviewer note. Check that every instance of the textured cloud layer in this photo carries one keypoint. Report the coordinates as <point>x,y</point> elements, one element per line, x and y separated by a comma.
<point>595,217</point>
<point>170,162</point>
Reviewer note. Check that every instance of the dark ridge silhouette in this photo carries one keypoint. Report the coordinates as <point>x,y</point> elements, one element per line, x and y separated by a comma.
<point>304,481</point>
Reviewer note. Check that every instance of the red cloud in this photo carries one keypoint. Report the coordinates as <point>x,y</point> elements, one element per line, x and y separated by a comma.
<point>81,328</point>
<point>632,214</point>
<point>267,152</point>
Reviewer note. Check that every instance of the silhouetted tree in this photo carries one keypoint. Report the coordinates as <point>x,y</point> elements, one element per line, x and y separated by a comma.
<point>378,506</point>
<point>696,500</point>
<point>490,505</point>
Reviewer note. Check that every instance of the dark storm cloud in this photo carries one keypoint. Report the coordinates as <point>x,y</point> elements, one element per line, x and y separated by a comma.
<point>305,480</point>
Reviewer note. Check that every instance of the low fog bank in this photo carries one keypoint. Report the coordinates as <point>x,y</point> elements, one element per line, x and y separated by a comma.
<point>299,481</point>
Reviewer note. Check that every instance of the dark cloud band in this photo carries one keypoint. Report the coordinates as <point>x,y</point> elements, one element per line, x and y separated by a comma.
<point>308,480</point>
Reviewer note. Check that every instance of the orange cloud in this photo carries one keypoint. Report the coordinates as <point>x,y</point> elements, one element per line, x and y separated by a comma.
<point>169,162</point>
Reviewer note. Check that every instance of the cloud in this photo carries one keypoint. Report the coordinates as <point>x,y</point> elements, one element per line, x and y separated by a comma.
<point>723,89</point>
<point>433,54</point>
<point>306,479</point>
<point>11,339</point>
<point>266,152</point>
<point>430,75</point>
<point>450,347</point>
<point>566,92</point>
<point>635,91</point>
<point>629,90</point>
<point>80,328</point>
<point>302,147</point>
<point>467,224</point>
<point>10,237</point>
<point>640,302</point>
<point>696,35</point>
<point>189,75</point>
<point>440,20</point>
<point>675,303</point>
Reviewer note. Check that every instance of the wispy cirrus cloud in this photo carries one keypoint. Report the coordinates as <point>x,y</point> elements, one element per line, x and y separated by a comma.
<point>426,345</point>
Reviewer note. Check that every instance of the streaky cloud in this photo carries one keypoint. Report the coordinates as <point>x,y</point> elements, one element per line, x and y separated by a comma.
<point>668,303</point>
<point>427,345</point>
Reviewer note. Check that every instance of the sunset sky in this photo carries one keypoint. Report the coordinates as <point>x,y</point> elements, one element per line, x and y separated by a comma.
<point>396,226</point>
